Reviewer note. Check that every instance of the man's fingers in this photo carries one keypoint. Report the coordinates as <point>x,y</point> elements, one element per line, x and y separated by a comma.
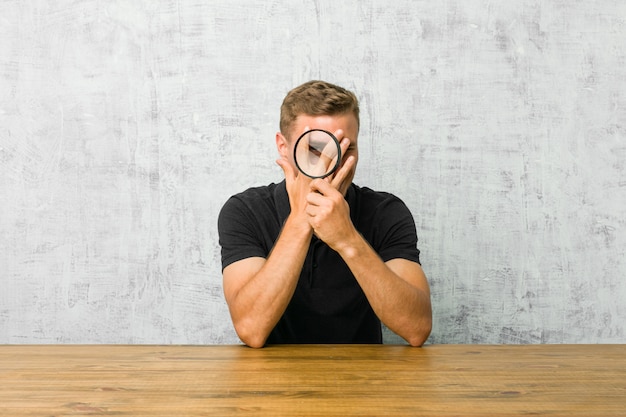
<point>290,175</point>
<point>343,172</point>
<point>321,187</point>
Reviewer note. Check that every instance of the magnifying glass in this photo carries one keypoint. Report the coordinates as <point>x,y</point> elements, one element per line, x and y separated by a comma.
<point>317,153</point>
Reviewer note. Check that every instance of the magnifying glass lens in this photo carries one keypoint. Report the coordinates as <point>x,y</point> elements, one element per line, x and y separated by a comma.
<point>317,153</point>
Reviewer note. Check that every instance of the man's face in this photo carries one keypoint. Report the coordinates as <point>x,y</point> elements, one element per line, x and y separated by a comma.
<point>346,122</point>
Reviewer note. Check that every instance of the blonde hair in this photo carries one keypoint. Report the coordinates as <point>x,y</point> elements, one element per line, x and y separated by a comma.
<point>316,98</point>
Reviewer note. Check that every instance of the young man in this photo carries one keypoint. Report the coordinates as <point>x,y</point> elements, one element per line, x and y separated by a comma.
<point>322,260</point>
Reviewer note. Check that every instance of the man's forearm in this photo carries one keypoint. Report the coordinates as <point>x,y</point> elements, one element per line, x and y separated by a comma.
<point>395,289</point>
<point>261,302</point>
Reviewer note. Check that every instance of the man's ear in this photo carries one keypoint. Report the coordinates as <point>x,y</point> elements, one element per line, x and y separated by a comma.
<point>282,145</point>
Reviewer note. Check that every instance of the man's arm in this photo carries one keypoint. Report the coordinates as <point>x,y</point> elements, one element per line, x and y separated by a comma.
<point>397,290</point>
<point>258,290</point>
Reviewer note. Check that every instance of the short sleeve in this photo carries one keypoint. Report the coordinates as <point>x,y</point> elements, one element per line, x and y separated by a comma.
<point>238,234</point>
<point>394,231</point>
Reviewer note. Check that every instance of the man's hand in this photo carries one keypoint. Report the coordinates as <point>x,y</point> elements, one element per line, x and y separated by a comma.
<point>327,210</point>
<point>329,214</point>
<point>298,186</point>
<point>342,179</point>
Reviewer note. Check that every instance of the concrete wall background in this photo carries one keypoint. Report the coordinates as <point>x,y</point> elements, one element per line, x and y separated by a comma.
<point>124,126</point>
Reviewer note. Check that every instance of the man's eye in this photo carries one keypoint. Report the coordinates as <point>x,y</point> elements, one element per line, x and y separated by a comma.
<point>315,151</point>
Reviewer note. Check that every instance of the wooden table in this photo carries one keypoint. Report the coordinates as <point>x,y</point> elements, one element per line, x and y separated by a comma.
<point>441,380</point>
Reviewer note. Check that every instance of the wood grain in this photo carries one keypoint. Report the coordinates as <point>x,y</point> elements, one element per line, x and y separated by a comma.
<point>443,380</point>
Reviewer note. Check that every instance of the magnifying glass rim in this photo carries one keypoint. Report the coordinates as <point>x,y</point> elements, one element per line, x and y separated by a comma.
<point>330,172</point>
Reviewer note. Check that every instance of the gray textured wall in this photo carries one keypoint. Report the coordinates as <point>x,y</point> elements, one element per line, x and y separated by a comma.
<point>125,125</point>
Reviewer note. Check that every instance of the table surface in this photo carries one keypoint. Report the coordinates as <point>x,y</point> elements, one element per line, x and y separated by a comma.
<point>325,380</point>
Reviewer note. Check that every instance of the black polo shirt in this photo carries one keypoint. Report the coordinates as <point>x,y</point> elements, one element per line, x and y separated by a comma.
<point>328,305</point>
